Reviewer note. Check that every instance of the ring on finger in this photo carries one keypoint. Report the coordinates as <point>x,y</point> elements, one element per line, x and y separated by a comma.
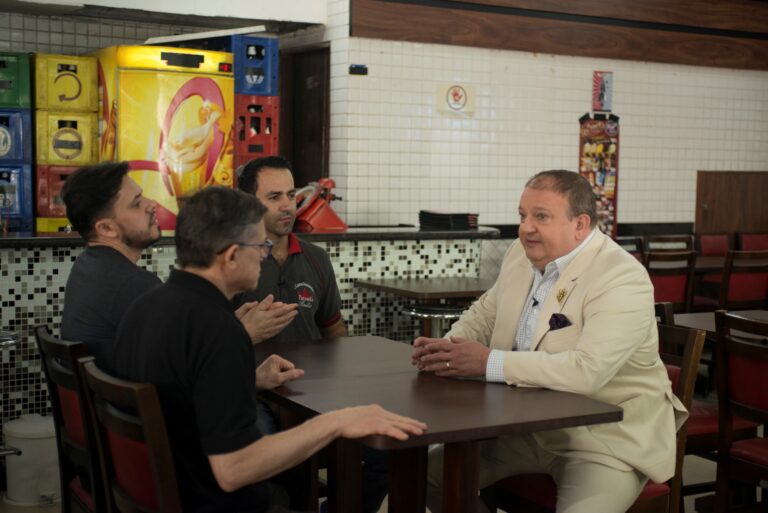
<point>447,365</point>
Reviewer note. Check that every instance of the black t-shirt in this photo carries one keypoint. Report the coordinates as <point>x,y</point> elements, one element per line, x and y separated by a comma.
<point>306,278</point>
<point>101,286</point>
<point>185,339</point>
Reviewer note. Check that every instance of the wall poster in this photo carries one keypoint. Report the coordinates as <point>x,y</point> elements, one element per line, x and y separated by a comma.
<point>599,163</point>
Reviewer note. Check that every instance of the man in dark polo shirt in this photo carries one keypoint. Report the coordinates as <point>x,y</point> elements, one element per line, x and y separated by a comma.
<point>117,222</point>
<point>184,338</point>
<point>300,272</point>
<point>297,272</point>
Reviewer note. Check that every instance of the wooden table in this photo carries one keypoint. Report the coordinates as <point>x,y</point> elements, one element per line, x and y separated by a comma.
<point>706,320</point>
<point>353,371</point>
<point>454,289</point>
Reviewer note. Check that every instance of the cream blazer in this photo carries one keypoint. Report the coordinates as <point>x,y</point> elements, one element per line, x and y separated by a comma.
<point>609,353</point>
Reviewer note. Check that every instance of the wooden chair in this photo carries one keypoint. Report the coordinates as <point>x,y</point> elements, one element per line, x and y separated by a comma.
<point>713,244</point>
<point>665,313</point>
<point>658,243</point>
<point>753,241</point>
<point>742,374</point>
<point>671,273</point>
<point>745,281</point>
<point>680,349</point>
<point>81,485</point>
<point>135,454</point>
<point>633,244</point>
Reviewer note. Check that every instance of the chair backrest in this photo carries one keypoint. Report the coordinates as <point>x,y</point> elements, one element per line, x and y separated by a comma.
<point>745,280</point>
<point>680,349</point>
<point>714,244</point>
<point>76,443</point>
<point>633,244</point>
<point>668,243</point>
<point>136,453</point>
<point>665,312</point>
<point>742,370</point>
<point>753,241</point>
<point>671,273</point>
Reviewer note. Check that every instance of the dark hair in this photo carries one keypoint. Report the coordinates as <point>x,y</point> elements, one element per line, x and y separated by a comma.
<point>247,174</point>
<point>212,219</point>
<point>89,194</point>
<point>576,188</point>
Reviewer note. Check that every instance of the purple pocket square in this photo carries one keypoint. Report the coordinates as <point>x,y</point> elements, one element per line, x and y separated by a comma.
<point>558,321</point>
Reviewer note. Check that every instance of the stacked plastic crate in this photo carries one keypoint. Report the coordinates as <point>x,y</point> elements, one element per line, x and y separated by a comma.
<point>257,103</point>
<point>16,212</point>
<point>66,123</point>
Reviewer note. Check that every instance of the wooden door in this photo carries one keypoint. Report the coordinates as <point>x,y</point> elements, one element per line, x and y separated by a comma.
<point>731,201</point>
<point>304,120</point>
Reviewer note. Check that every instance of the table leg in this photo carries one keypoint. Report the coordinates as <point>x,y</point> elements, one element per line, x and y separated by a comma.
<point>461,478</point>
<point>407,480</point>
<point>345,483</point>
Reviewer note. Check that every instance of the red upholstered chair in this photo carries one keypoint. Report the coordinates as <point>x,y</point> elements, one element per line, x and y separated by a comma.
<point>633,245</point>
<point>658,243</point>
<point>742,381</point>
<point>671,273</point>
<point>81,485</point>
<point>135,453</point>
<point>745,280</point>
<point>713,244</point>
<point>753,241</point>
<point>680,349</point>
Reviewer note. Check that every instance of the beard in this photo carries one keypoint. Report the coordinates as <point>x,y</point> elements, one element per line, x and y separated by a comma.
<point>140,239</point>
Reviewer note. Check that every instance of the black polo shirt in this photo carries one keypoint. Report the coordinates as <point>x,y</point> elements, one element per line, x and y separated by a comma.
<point>305,278</point>
<point>101,286</point>
<point>184,338</point>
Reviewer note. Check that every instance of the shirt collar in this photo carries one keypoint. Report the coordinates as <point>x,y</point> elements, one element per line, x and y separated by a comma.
<point>559,264</point>
<point>293,244</point>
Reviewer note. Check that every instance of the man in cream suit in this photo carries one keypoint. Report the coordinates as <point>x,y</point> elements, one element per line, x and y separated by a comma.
<point>570,311</point>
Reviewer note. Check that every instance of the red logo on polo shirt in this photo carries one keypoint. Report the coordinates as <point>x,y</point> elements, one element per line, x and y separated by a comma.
<point>305,294</point>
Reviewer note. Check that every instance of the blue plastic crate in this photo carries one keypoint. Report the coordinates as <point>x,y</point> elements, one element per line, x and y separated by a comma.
<point>15,135</point>
<point>256,63</point>
<point>16,206</point>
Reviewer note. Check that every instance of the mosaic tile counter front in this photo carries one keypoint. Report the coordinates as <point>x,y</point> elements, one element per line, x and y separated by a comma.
<point>32,281</point>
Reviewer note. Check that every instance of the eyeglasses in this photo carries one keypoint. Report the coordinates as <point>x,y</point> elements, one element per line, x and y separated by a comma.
<point>265,246</point>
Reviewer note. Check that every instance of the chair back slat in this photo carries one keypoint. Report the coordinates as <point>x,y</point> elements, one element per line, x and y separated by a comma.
<point>665,312</point>
<point>76,443</point>
<point>136,453</point>
<point>753,241</point>
<point>671,273</point>
<point>744,280</point>
<point>659,243</point>
<point>716,244</point>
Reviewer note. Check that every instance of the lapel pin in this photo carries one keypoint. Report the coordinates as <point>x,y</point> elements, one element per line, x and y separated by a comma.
<point>561,295</point>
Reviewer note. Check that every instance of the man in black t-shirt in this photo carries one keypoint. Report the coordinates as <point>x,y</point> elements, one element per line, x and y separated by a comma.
<point>185,338</point>
<point>117,222</point>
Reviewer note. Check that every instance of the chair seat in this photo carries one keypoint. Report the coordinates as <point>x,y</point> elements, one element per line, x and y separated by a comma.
<point>703,420</point>
<point>754,450</point>
<point>651,490</point>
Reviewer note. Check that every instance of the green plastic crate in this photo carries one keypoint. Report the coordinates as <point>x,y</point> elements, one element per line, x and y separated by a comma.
<point>14,80</point>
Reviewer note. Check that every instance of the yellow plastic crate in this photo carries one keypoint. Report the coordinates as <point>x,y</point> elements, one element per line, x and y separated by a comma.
<point>53,225</point>
<point>66,138</point>
<point>66,82</point>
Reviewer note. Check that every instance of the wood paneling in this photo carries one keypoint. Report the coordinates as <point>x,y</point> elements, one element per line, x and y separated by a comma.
<point>731,201</point>
<point>731,42</point>
<point>741,15</point>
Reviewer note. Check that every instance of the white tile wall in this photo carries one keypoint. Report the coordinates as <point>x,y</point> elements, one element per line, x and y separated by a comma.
<point>403,154</point>
<point>392,152</point>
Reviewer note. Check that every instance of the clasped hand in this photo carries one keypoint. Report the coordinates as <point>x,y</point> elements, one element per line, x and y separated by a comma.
<point>456,356</point>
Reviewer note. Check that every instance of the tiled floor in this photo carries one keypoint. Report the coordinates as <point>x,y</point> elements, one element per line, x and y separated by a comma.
<point>696,470</point>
